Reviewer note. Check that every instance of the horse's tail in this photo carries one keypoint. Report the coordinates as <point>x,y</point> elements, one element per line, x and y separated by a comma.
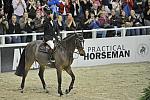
<point>21,66</point>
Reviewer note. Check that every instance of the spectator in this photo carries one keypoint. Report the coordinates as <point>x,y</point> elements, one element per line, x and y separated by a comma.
<point>86,20</point>
<point>60,23</point>
<point>53,4</point>
<point>113,19</point>
<point>1,11</point>
<point>47,9</point>
<point>95,5</point>
<point>3,27</point>
<point>26,25</point>
<point>116,6</point>
<point>127,22</point>
<point>86,24</point>
<point>31,9</point>
<point>106,3</point>
<point>43,2</point>
<point>126,8</point>
<point>130,3</point>
<point>19,8</point>
<point>8,9</point>
<point>123,19</point>
<point>147,17</point>
<point>139,9</point>
<point>94,24</point>
<point>14,28</point>
<point>74,9</point>
<point>103,19</point>
<point>85,5</point>
<point>38,24</point>
<point>1,3</point>
<point>70,23</point>
<point>138,6</point>
<point>39,8</point>
<point>135,20</point>
<point>63,9</point>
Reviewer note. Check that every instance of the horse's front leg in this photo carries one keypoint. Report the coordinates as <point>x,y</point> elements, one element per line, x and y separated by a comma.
<point>59,78</point>
<point>69,71</point>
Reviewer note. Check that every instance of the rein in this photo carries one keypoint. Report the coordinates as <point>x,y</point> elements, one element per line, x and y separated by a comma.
<point>59,44</point>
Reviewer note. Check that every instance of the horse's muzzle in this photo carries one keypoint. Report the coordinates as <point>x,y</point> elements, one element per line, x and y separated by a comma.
<point>82,52</point>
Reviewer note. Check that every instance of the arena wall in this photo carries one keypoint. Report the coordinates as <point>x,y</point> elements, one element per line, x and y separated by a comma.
<point>99,51</point>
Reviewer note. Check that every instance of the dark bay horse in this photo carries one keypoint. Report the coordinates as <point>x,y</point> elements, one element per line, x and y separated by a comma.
<point>63,59</point>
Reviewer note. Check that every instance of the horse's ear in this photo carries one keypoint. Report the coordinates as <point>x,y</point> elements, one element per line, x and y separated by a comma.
<point>80,34</point>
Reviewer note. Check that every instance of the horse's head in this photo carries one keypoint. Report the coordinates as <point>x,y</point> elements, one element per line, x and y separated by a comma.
<point>79,42</point>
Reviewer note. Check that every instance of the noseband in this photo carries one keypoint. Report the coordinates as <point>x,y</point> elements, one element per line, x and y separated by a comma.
<point>80,40</point>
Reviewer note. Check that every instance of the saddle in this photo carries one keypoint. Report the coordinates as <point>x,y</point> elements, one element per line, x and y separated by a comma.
<point>45,48</point>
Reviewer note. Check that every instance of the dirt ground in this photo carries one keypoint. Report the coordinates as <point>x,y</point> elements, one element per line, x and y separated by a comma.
<point>107,82</point>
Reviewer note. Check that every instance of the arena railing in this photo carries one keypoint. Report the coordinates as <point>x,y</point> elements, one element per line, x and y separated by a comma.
<point>64,34</point>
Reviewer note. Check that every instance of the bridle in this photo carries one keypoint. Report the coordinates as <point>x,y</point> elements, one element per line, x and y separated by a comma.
<point>81,40</point>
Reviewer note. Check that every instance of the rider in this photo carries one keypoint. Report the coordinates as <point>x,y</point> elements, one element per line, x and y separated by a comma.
<point>51,32</point>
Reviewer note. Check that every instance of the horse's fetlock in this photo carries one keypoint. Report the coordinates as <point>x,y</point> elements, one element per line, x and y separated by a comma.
<point>21,91</point>
<point>46,91</point>
<point>60,92</point>
<point>70,88</point>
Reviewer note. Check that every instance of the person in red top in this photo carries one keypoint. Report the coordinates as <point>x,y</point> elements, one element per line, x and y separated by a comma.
<point>63,9</point>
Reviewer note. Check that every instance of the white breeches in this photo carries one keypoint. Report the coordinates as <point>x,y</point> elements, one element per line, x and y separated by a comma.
<point>50,43</point>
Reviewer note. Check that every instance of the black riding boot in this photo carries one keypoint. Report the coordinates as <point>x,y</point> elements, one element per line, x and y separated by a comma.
<point>51,56</point>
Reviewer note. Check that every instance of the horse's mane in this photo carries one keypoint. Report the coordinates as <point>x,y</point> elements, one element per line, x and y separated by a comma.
<point>68,37</point>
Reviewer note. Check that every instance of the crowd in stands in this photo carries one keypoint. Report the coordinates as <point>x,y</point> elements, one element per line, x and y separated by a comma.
<point>27,16</point>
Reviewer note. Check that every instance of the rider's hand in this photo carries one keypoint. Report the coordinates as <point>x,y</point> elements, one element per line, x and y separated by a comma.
<point>59,38</point>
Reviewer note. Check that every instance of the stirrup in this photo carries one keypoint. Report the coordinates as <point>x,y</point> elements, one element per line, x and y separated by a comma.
<point>52,60</point>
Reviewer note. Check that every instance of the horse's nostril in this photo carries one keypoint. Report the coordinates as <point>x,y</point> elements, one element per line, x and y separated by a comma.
<point>82,54</point>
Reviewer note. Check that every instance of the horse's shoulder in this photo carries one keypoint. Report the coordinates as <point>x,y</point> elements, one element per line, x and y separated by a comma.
<point>37,42</point>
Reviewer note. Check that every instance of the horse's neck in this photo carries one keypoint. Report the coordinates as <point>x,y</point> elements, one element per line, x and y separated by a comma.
<point>69,46</point>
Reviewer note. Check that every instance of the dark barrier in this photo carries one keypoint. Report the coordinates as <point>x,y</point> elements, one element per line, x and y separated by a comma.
<point>7,58</point>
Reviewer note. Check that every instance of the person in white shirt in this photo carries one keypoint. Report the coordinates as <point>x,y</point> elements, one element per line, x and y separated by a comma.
<point>19,7</point>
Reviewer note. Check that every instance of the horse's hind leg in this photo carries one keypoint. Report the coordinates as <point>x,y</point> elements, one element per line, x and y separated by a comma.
<point>23,80</point>
<point>41,75</point>
<point>69,71</point>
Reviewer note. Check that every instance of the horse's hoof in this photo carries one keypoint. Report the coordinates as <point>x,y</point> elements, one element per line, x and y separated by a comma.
<point>21,91</point>
<point>60,94</point>
<point>67,91</point>
<point>46,91</point>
